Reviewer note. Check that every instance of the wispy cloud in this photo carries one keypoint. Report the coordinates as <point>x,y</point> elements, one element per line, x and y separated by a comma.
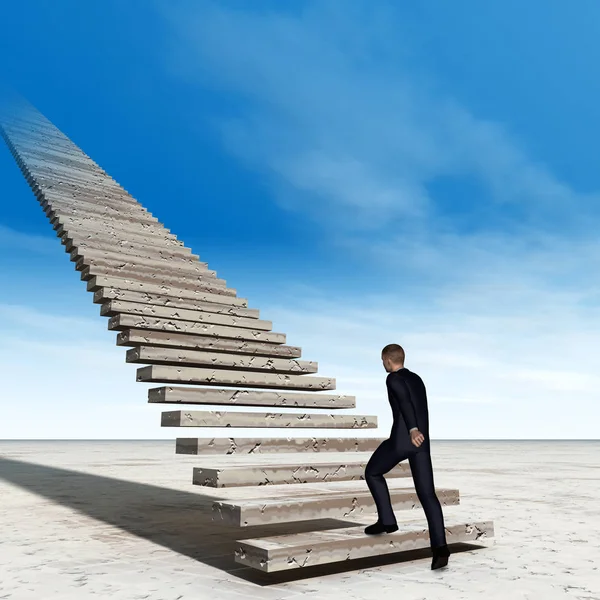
<point>11,239</point>
<point>339,115</point>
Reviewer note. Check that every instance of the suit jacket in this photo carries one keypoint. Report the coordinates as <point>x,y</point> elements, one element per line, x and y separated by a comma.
<point>408,399</point>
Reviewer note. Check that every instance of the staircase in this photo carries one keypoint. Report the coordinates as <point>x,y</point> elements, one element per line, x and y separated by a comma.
<point>191,332</point>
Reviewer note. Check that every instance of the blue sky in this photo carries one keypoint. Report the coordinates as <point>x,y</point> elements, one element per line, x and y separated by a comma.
<point>425,175</point>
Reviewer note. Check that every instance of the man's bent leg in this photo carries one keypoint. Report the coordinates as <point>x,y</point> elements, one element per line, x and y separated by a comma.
<point>384,459</point>
<point>422,472</point>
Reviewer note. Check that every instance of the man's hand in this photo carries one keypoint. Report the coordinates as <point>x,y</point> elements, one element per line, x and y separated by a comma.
<point>416,437</point>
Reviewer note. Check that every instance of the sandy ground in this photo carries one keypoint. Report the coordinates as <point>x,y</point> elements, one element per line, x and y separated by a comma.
<point>122,520</point>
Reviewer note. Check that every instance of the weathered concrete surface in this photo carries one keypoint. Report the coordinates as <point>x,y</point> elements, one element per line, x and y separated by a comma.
<point>78,207</point>
<point>195,358</point>
<point>198,315</point>
<point>117,224</point>
<point>210,418</point>
<point>126,321</point>
<point>104,294</point>
<point>183,290</point>
<point>290,445</point>
<point>277,474</point>
<point>188,395</point>
<point>301,550</point>
<point>143,265</point>
<point>150,275</point>
<point>107,237</point>
<point>121,520</point>
<point>136,337</point>
<point>330,504</point>
<point>127,247</point>
<point>88,256</point>
<point>192,375</point>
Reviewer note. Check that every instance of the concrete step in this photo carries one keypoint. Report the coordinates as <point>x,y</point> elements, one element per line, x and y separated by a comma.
<point>50,199</point>
<point>218,377</point>
<point>137,337</point>
<point>111,226</point>
<point>122,260</point>
<point>88,256</point>
<point>115,307</point>
<point>206,280</point>
<point>111,236</point>
<point>126,266</point>
<point>246,446</point>
<point>212,418</point>
<point>218,360</point>
<point>172,302</point>
<point>301,503</point>
<point>77,210</point>
<point>125,321</point>
<point>199,291</point>
<point>301,550</point>
<point>42,183</point>
<point>278,474</point>
<point>127,248</point>
<point>63,193</point>
<point>60,158</point>
<point>164,291</point>
<point>101,210</point>
<point>282,399</point>
<point>68,174</point>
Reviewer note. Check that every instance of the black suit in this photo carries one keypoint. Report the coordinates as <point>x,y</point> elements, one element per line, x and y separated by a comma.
<point>408,399</point>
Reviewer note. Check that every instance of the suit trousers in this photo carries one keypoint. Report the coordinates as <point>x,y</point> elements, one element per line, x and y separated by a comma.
<point>384,459</point>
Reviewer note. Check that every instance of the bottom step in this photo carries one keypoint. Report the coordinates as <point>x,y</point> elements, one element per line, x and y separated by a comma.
<point>284,552</point>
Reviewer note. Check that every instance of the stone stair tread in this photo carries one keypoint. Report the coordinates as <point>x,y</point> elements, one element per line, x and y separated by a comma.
<point>248,446</point>
<point>237,397</point>
<point>222,295</point>
<point>115,307</point>
<point>218,360</point>
<point>136,337</point>
<point>268,474</point>
<point>279,504</point>
<point>302,550</point>
<point>210,418</point>
<point>217,377</point>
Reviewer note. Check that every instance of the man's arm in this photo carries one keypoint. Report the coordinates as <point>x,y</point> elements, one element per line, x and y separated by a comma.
<point>402,395</point>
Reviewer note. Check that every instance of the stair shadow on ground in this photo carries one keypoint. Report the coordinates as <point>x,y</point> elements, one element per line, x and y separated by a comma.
<point>178,520</point>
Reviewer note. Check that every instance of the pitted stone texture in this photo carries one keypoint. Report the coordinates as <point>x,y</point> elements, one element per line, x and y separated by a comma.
<point>195,292</point>
<point>246,475</point>
<point>149,274</point>
<point>116,307</point>
<point>125,321</point>
<point>209,418</point>
<point>283,552</point>
<point>104,216</point>
<point>160,374</point>
<point>137,337</point>
<point>89,256</point>
<point>186,395</point>
<point>57,209</point>
<point>142,265</point>
<point>220,360</point>
<point>126,247</point>
<point>89,200</point>
<point>108,236</point>
<point>248,446</point>
<point>128,268</point>
<point>108,225</point>
<point>105,294</point>
<point>304,505</point>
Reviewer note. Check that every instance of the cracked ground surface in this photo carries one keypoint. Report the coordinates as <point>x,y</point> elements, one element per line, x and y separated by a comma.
<point>92,520</point>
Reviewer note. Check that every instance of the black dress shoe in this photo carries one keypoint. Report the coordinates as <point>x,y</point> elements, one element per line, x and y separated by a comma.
<point>440,557</point>
<point>380,528</point>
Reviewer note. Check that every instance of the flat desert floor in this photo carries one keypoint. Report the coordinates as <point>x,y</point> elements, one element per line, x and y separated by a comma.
<point>121,520</point>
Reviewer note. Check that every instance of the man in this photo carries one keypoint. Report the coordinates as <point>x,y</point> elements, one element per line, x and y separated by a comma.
<point>409,438</point>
